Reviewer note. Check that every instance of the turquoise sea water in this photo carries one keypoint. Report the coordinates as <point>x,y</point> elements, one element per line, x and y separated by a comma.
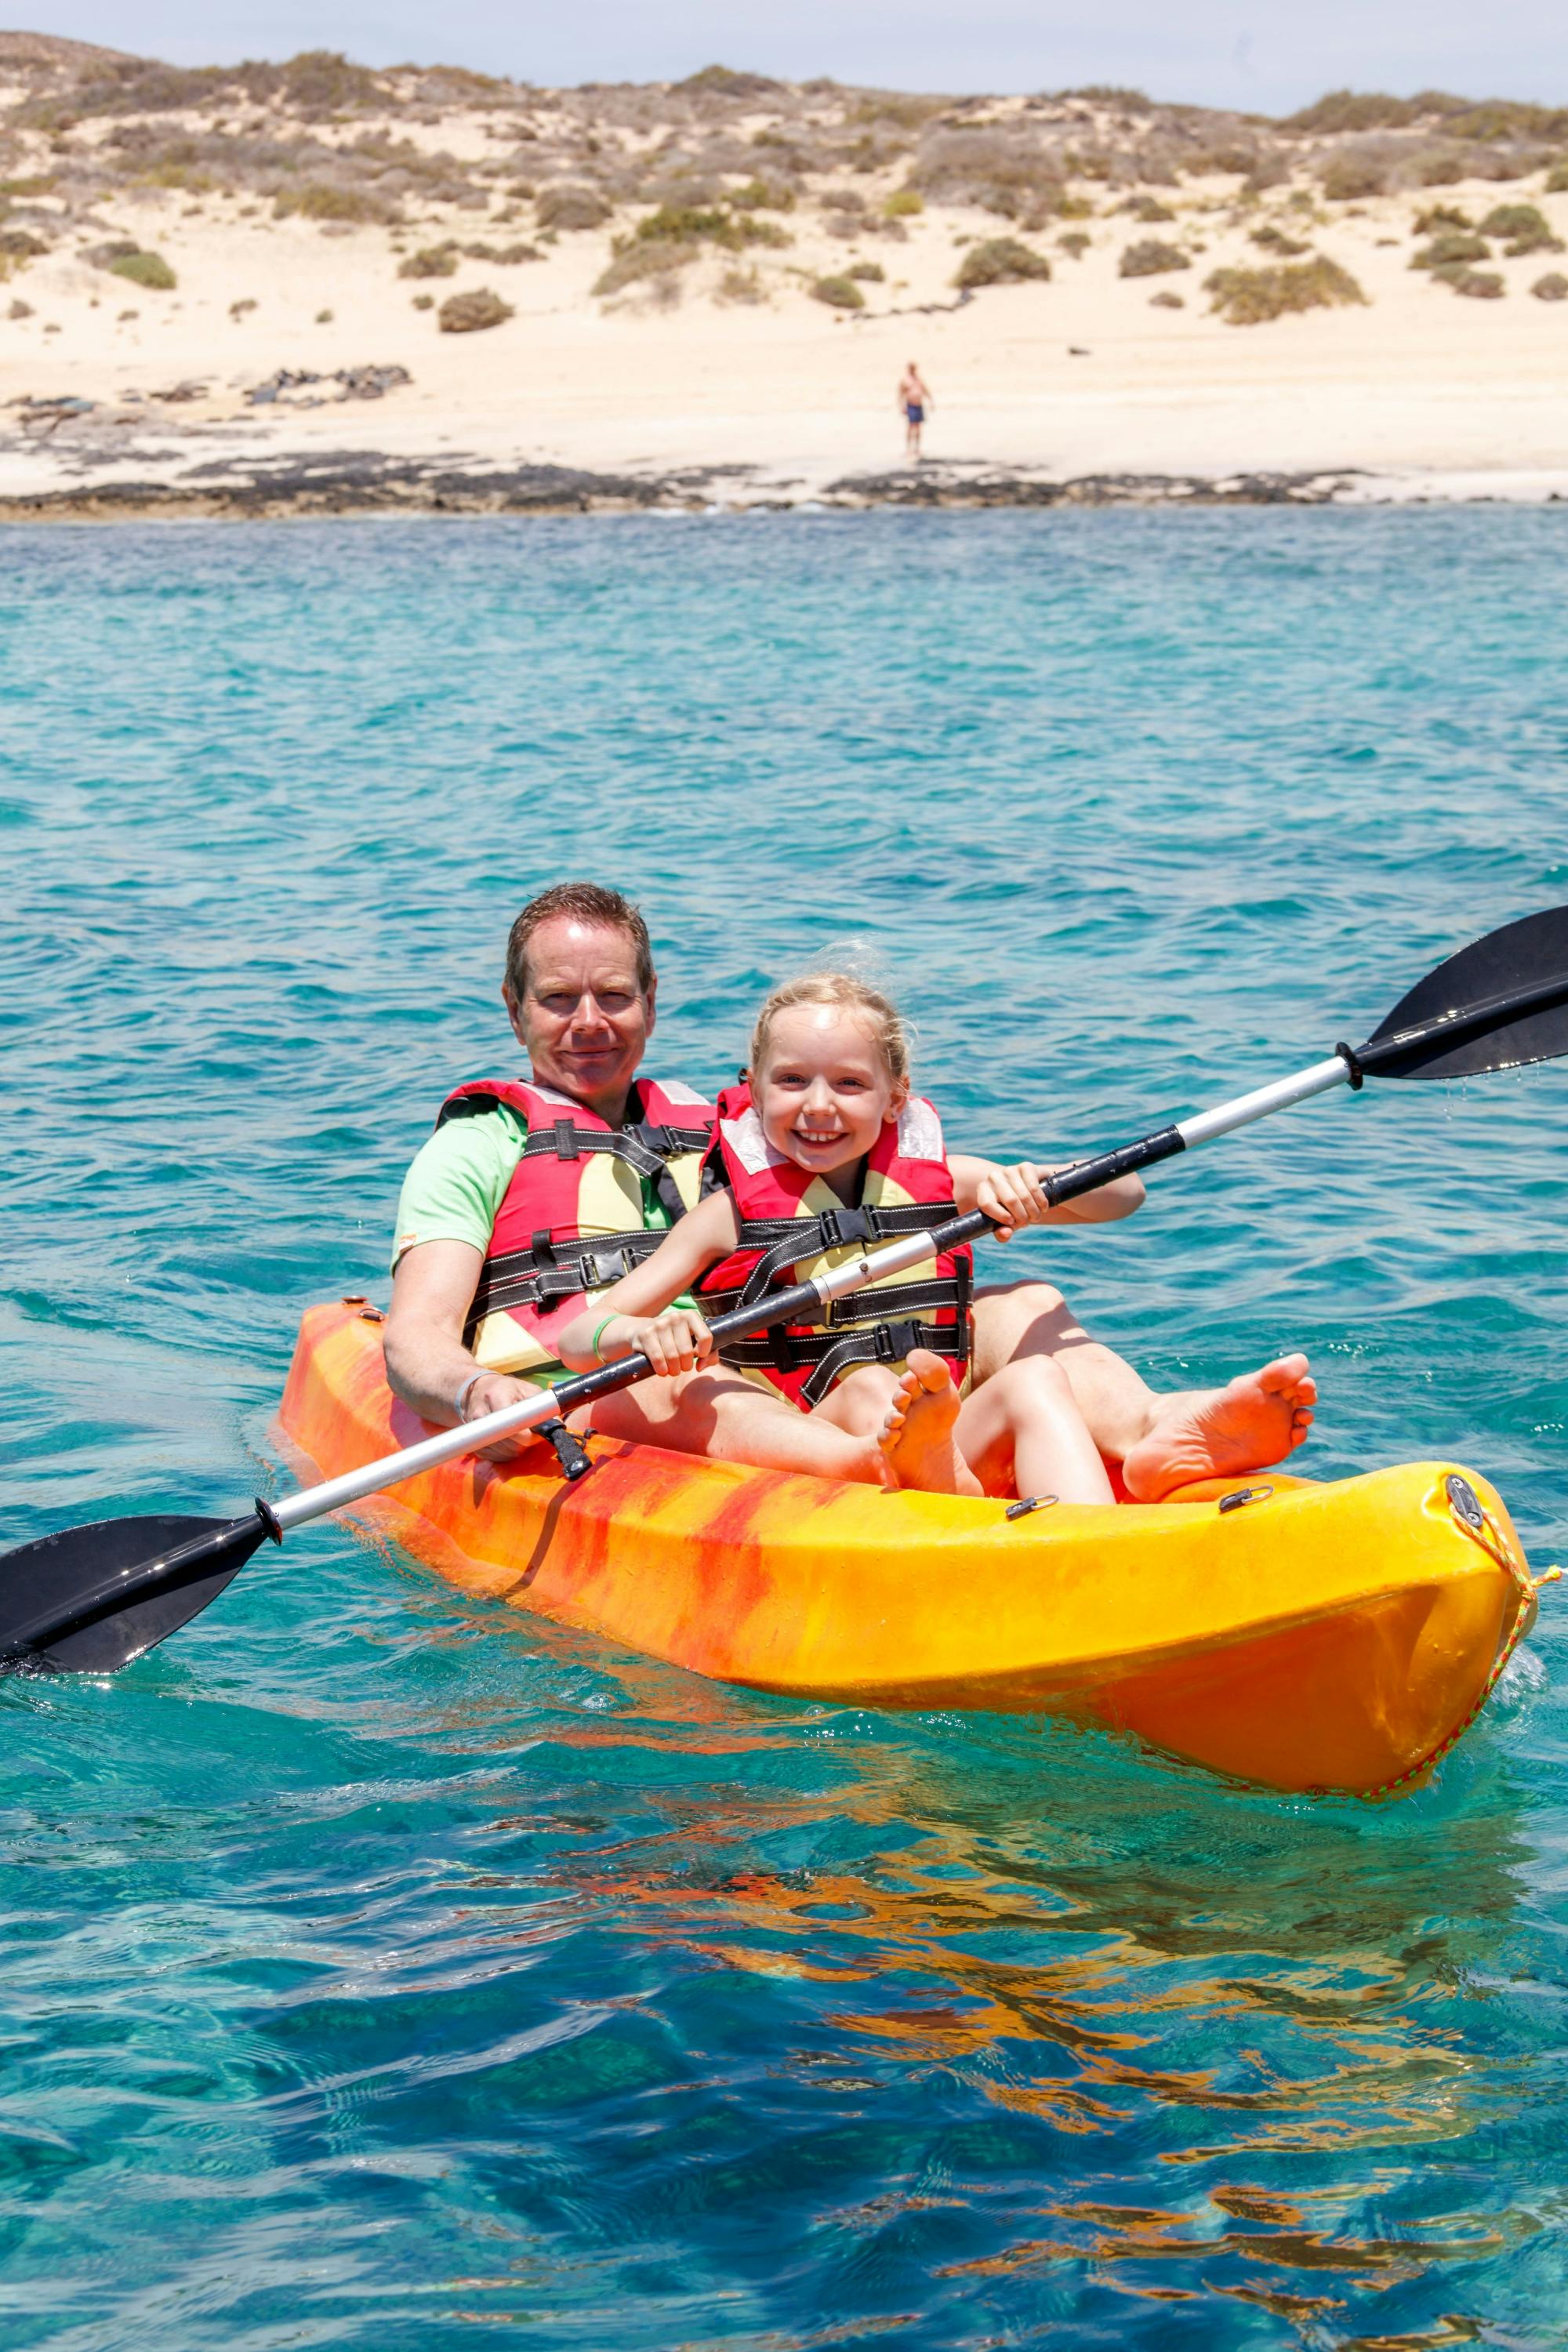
<point>378,1969</point>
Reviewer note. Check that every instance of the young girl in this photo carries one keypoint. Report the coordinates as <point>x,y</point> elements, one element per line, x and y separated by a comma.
<point>820,1151</point>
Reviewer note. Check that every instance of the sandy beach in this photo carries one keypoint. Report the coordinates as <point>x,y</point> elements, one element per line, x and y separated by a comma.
<point>727,377</point>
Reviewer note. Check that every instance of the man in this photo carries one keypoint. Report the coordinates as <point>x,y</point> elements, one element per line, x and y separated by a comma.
<point>915,400</point>
<point>530,1192</point>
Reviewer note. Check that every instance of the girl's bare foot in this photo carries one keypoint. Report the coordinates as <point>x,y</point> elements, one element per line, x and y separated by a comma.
<point>1252,1424</point>
<point>917,1438</point>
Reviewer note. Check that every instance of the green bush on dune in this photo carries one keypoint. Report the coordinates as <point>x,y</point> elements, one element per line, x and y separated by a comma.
<point>838,293</point>
<point>149,269</point>
<point>321,200</point>
<point>1525,226</point>
<point>1000,261</point>
<point>1451,250</point>
<point>654,262</point>
<point>1250,298</point>
<point>431,261</point>
<point>1481,285</point>
<point>1149,256</point>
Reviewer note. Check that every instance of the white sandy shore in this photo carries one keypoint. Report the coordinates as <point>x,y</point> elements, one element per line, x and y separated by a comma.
<point>1420,393</point>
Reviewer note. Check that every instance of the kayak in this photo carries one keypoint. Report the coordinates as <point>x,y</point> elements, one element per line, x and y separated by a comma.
<point>1304,1635</point>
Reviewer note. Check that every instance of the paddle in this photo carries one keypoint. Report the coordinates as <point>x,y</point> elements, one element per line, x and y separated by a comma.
<point>91,1598</point>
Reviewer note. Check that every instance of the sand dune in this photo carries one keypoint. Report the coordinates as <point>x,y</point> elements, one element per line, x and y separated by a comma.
<point>708,336</point>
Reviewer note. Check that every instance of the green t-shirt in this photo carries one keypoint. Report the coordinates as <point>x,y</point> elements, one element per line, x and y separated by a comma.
<point>454,1190</point>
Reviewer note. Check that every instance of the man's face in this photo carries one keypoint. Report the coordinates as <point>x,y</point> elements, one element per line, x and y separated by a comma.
<point>582,1020</point>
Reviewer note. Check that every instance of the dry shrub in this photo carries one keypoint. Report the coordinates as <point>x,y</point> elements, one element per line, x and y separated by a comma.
<point>1273,239</point>
<point>1451,250</point>
<point>1481,285</point>
<point>1000,261</point>
<point>465,314</point>
<point>21,245</point>
<point>1441,216</point>
<point>904,204</point>
<point>430,261</point>
<point>739,285</point>
<point>992,169</point>
<point>838,293</point>
<point>1350,109</point>
<point>721,82</point>
<point>322,200</point>
<point>708,224</point>
<point>149,269</point>
<point>1437,167</point>
<point>1347,176</point>
<point>1249,298</point>
<point>1147,208</point>
<point>1222,160</point>
<point>655,265</point>
<point>424,301</point>
<point>1075,243</point>
<point>1553,288</point>
<point>1525,227</point>
<point>572,208</point>
<point>761,196</point>
<point>1166,301</point>
<point>1149,256</point>
<point>869,273</point>
<point>1557,180</point>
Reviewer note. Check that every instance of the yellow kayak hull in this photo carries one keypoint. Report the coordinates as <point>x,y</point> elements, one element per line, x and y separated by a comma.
<point>1323,1637</point>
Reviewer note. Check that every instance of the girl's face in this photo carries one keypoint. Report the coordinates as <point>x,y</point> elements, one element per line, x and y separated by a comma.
<point>824,1089</point>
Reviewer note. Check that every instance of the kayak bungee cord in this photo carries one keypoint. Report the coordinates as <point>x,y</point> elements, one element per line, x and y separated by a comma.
<point>91,1598</point>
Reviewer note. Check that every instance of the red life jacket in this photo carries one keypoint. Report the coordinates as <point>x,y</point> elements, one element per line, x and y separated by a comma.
<point>572,1219</point>
<point>908,1188</point>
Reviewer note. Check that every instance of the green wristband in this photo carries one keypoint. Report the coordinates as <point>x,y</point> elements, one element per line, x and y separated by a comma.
<point>599,1335</point>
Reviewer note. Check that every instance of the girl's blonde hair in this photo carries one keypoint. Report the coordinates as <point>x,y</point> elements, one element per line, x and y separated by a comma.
<point>880,1015</point>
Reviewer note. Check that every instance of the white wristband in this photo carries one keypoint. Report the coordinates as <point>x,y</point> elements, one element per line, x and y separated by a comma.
<point>467,1390</point>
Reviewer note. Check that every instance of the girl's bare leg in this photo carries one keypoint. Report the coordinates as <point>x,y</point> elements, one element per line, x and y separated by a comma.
<point>1022,1434</point>
<point>728,1419</point>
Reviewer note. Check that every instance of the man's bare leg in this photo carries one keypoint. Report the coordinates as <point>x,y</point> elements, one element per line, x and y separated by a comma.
<point>1161,1442</point>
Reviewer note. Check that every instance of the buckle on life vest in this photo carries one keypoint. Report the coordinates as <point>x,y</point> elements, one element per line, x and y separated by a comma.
<point>601,1267</point>
<point>566,1140</point>
<point>892,1341</point>
<point>840,1226</point>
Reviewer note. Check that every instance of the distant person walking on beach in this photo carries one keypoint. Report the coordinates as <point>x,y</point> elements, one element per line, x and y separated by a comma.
<point>915,400</point>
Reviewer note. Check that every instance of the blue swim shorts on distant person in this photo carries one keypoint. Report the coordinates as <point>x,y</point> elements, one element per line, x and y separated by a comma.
<point>914,411</point>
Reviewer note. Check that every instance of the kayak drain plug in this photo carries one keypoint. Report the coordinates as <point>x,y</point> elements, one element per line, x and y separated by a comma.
<point>1244,1495</point>
<point>1030,1503</point>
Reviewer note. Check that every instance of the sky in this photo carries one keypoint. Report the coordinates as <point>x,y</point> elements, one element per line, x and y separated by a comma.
<point>1254,54</point>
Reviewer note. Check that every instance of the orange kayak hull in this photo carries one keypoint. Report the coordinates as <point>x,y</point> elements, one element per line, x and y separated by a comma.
<point>1323,1637</point>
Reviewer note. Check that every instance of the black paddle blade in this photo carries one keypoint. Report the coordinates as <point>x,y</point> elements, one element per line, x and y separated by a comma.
<point>90,1600</point>
<point>1499,1003</point>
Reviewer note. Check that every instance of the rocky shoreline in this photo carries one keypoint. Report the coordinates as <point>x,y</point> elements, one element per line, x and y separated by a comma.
<point>365,482</point>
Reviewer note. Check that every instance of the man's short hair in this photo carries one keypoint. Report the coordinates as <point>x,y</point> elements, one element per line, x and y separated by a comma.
<point>584,902</point>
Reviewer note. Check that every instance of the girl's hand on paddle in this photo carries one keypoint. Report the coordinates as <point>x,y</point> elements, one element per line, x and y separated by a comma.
<point>673,1342</point>
<point>1012,1197</point>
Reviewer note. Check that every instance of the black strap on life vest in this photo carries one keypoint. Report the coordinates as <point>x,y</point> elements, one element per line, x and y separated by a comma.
<point>784,1241</point>
<point>548,1271</point>
<point>869,1326</point>
<point>649,1148</point>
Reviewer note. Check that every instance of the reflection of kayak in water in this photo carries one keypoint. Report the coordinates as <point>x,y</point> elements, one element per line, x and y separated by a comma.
<point>1314,1636</point>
